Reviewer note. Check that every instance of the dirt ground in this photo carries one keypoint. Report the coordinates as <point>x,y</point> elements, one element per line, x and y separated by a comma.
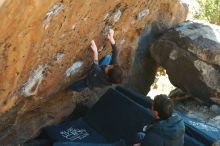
<point>194,109</point>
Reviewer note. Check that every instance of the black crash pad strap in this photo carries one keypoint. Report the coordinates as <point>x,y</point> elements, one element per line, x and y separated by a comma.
<point>190,141</point>
<point>118,143</point>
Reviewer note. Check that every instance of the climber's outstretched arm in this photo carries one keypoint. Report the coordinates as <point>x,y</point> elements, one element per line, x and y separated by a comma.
<point>95,51</point>
<point>114,47</point>
<point>111,36</point>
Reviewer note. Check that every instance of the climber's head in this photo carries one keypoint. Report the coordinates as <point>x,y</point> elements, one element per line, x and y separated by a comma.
<point>162,107</point>
<point>115,73</point>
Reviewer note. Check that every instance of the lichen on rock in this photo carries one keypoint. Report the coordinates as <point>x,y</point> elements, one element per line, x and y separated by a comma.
<point>52,12</point>
<point>74,68</point>
<point>30,88</point>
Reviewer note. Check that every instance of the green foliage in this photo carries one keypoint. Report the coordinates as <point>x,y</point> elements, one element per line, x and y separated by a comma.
<point>210,11</point>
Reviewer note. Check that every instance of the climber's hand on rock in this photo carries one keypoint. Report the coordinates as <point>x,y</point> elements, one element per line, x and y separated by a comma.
<point>93,46</point>
<point>111,36</point>
<point>94,49</point>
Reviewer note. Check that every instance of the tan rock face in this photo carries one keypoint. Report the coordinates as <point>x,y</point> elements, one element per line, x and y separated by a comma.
<point>44,46</point>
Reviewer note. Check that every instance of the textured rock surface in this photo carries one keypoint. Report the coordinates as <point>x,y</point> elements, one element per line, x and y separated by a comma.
<point>44,46</point>
<point>191,55</point>
<point>194,108</point>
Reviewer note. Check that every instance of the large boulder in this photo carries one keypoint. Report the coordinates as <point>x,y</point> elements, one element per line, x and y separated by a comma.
<point>190,53</point>
<point>44,46</point>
